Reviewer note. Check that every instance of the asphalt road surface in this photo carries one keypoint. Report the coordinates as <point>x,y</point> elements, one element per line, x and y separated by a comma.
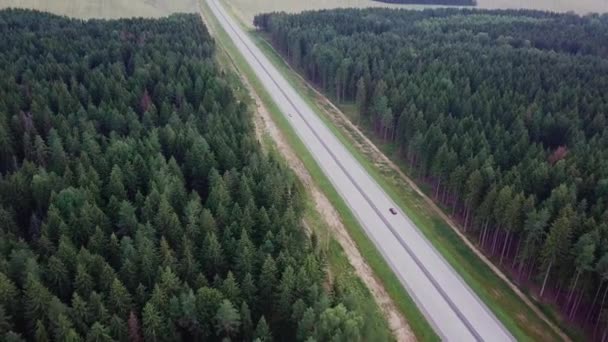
<point>450,306</point>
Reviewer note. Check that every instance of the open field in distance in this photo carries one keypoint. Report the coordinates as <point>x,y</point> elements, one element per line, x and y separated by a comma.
<point>110,9</point>
<point>249,8</point>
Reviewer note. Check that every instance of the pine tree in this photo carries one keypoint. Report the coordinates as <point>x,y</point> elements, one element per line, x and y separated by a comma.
<point>152,323</point>
<point>246,322</point>
<point>98,333</point>
<point>167,222</point>
<point>64,330</point>
<point>213,258</point>
<point>227,319</point>
<point>127,220</point>
<point>208,301</point>
<point>248,289</point>
<point>117,328</point>
<point>361,97</point>
<point>97,310</point>
<point>473,190</point>
<point>37,299</point>
<point>8,294</point>
<point>231,289</point>
<point>41,335</point>
<point>115,185</point>
<point>266,283</point>
<point>285,296</point>
<point>262,331</point>
<point>12,336</point>
<point>306,326</point>
<point>557,242</point>
<point>339,324</point>
<point>5,321</point>
<point>58,276</point>
<point>58,157</point>
<point>119,298</point>
<point>584,254</point>
<point>245,257</point>
<point>80,312</point>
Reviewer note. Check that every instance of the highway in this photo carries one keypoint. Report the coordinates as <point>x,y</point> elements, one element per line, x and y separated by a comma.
<point>450,306</point>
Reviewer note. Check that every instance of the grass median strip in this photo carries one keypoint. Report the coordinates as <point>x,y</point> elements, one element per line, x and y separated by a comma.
<point>418,323</point>
<point>519,318</point>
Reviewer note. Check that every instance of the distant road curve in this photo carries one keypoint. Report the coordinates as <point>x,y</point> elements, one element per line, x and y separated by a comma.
<point>450,306</point>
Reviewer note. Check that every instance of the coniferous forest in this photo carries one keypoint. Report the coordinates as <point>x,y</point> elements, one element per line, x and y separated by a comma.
<point>501,113</point>
<point>432,2</point>
<point>135,201</point>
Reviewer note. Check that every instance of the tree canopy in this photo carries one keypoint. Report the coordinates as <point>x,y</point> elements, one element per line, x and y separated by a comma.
<point>135,201</point>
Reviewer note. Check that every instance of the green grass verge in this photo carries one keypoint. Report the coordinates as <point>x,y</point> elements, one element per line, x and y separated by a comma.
<point>405,304</point>
<point>518,318</point>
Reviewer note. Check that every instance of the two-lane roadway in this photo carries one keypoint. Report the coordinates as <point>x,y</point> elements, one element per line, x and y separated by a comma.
<point>454,311</point>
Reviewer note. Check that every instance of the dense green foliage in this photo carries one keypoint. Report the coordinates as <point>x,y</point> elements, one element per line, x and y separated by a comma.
<point>135,201</point>
<point>503,113</point>
<point>432,2</point>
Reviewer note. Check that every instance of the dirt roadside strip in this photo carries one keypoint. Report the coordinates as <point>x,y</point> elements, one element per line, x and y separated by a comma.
<point>265,125</point>
<point>363,143</point>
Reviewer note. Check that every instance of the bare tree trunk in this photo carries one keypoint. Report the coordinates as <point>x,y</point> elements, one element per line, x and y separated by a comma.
<point>466,217</point>
<point>510,244</point>
<point>454,206</point>
<point>577,302</point>
<point>599,315</point>
<point>522,263</point>
<point>496,233</point>
<point>530,270</point>
<point>593,303</point>
<point>444,194</point>
<point>437,190</point>
<point>559,289</point>
<point>483,232</point>
<point>542,290</point>
<point>573,286</point>
<point>488,238</point>
<point>571,308</point>
<point>517,254</point>
<point>504,247</point>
